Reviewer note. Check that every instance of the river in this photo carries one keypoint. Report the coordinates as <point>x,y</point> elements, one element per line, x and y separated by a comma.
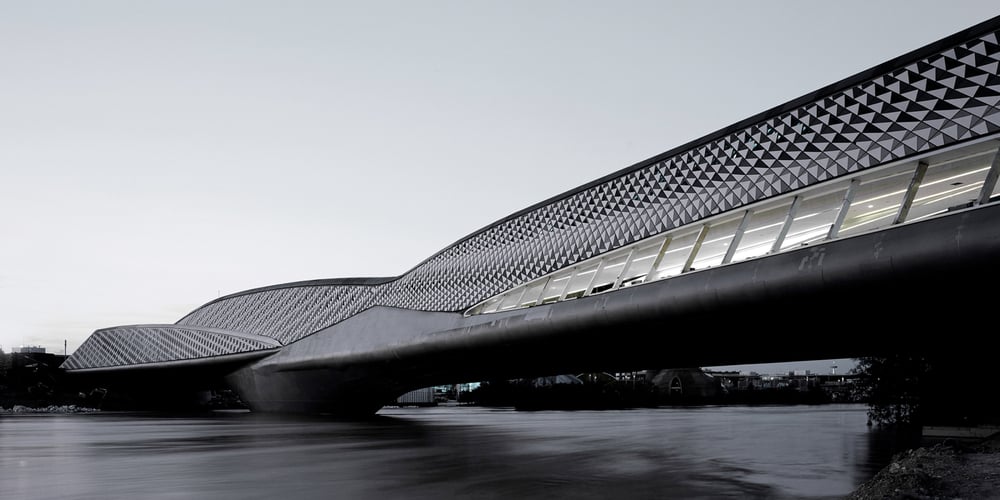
<point>773,452</point>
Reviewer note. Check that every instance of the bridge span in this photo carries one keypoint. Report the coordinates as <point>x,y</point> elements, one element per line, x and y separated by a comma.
<point>865,212</point>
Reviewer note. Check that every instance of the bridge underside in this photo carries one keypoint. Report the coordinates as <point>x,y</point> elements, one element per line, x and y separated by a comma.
<point>921,287</point>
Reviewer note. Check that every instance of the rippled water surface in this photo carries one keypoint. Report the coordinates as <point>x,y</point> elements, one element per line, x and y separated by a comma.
<point>445,452</point>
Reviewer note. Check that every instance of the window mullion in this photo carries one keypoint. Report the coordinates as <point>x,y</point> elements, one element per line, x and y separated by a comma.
<point>569,281</point>
<point>695,248</point>
<point>545,288</point>
<point>625,268</point>
<point>844,207</point>
<point>789,219</point>
<point>659,257</point>
<point>520,297</point>
<point>911,192</point>
<point>737,237</point>
<point>590,284</point>
<point>989,184</point>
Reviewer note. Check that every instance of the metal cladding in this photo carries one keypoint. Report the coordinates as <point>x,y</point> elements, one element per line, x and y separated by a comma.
<point>284,314</point>
<point>941,95</point>
<point>143,344</point>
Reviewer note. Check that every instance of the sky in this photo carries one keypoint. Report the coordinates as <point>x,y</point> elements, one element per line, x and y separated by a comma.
<point>155,155</point>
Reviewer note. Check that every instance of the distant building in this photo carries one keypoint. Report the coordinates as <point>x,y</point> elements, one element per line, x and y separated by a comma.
<point>686,382</point>
<point>30,349</point>
<point>839,387</point>
<point>419,397</point>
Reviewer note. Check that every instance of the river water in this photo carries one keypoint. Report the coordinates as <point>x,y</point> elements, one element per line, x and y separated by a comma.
<point>774,452</point>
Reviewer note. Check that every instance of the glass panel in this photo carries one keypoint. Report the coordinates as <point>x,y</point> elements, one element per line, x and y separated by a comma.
<point>531,294</point>
<point>510,299</point>
<point>952,184</point>
<point>556,285</point>
<point>877,200</point>
<point>579,283</point>
<point>713,249</point>
<point>642,259</point>
<point>676,255</point>
<point>613,265</point>
<point>814,217</point>
<point>765,224</point>
<point>492,304</point>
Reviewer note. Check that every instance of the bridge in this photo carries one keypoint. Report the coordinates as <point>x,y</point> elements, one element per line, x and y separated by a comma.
<point>860,219</point>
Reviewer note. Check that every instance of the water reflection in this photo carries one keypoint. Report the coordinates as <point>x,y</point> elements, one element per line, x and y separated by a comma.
<point>445,452</point>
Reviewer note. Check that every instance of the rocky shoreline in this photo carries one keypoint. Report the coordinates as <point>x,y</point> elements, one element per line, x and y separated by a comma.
<point>20,409</point>
<point>944,471</point>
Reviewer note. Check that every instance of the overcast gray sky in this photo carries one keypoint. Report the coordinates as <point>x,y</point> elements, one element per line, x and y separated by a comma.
<point>157,154</point>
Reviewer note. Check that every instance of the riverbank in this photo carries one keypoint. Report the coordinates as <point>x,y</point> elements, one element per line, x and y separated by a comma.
<point>946,470</point>
<point>20,409</point>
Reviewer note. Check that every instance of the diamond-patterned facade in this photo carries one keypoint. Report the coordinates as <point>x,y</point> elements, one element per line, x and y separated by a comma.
<point>141,344</point>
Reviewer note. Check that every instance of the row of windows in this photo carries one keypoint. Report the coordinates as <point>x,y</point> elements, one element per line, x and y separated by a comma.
<point>878,198</point>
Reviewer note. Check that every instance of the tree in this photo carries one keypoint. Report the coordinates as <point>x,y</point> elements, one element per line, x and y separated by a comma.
<point>894,387</point>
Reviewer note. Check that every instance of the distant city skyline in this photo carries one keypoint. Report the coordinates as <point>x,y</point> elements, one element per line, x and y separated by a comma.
<point>820,366</point>
<point>158,155</point>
